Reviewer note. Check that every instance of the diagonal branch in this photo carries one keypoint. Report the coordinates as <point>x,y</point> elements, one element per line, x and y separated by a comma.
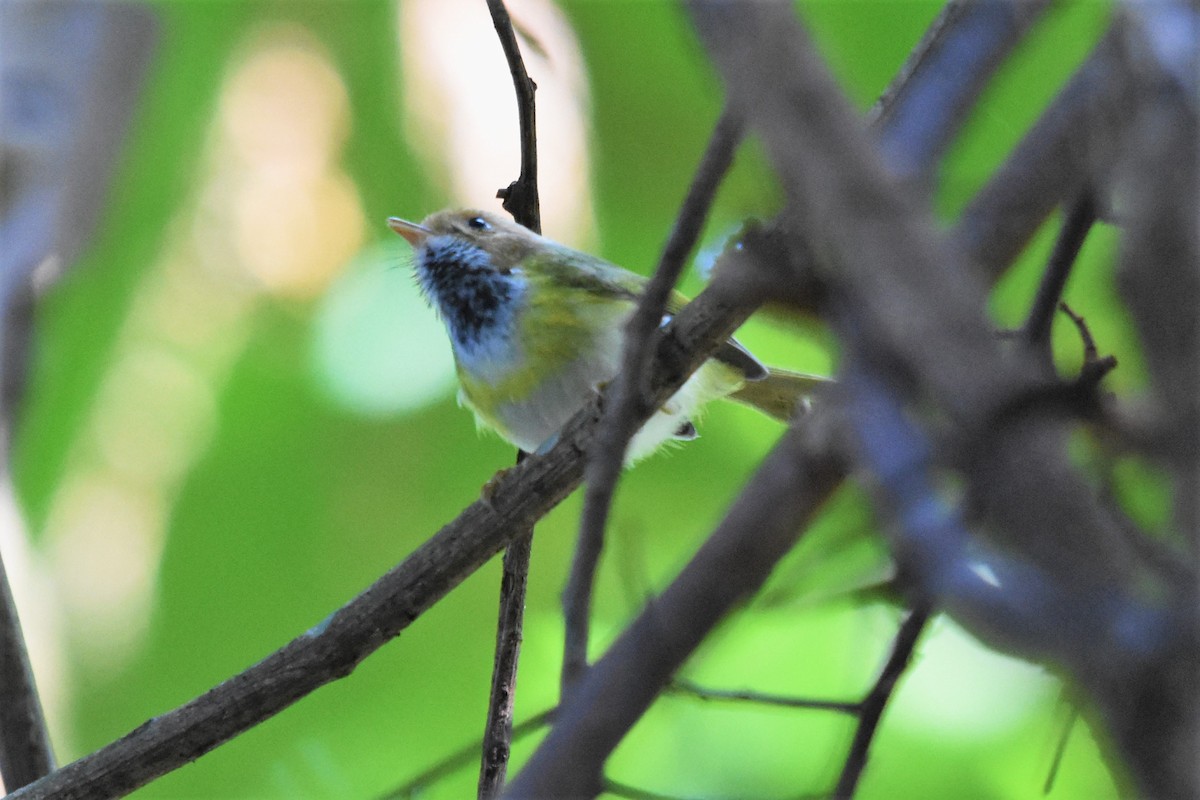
<point>1064,584</point>
<point>765,522</point>
<point>331,650</point>
<point>25,752</point>
<point>619,669</point>
<point>916,119</point>
<point>871,708</point>
<point>1075,227</point>
<point>626,408</point>
<point>1060,154</point>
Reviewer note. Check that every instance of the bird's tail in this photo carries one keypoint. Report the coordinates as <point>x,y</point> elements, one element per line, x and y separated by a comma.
<point>778,394</point>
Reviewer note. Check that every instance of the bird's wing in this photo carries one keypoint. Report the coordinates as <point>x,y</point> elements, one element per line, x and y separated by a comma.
<point>732,353</point>
<point>573,269</point>
<point>595,275</point>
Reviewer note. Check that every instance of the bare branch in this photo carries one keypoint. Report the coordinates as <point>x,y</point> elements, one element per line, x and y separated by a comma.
<point>498,730</point>
<point>872,706</point>
<point>764,523</point>
<point>25,752</point>
<point>630,661</point>
<point>1160,262</point>
<point>1155,718</point>
<point>924,107</point>
<point>521,199</point>
<point>462,758</point>
<point>680,686</point>
<point>1055,160</point>
<point>1075,229</point>
<point>1094,366</point>
<point>1063,552</point>
<point>626,408</point>
<point>519,497</point>
<point>891,261</point>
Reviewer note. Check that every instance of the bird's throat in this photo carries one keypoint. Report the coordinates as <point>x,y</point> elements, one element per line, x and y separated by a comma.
<point>476,301</point>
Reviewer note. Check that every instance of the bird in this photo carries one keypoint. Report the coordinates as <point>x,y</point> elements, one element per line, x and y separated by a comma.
<point>537,328</point>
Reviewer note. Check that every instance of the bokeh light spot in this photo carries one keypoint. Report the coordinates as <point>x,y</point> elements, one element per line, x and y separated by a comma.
<point>379,349</point>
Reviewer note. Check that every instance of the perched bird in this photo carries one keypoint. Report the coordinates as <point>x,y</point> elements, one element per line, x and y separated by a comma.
<point>536,328</point>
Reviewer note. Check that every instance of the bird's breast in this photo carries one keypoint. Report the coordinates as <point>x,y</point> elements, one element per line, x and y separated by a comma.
<point>528,384</point>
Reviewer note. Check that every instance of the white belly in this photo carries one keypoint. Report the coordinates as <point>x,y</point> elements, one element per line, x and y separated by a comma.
<point>532,422</point>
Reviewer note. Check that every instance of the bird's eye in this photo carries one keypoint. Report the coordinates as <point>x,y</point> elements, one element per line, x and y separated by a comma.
<point>479,224</point>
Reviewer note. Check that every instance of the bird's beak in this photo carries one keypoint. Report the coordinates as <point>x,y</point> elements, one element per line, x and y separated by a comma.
<point>414,233</point>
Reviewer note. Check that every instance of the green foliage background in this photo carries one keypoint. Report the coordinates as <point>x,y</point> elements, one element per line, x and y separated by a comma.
<point>299,502</point>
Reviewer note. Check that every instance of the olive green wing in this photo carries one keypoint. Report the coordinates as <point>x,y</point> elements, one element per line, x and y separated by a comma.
<point>571,268</point>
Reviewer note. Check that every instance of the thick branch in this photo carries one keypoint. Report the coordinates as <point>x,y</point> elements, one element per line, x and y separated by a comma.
<point>890,262</point>
<point>931,69</point>
<point>1157,717</point>
<point>1059,155</point>
<point>1160,265</point>
<point>918,115</point>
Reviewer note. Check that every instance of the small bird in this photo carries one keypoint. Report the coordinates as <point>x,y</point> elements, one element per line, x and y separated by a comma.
<point>536,328</point>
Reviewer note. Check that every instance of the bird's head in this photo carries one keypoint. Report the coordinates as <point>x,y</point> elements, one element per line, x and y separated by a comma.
<point>468,264</point>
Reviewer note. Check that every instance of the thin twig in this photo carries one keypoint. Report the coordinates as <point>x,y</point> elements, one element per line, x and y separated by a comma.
<point>520,199</point>
<point>464,757</point>
<point>1094,367</point>
<point>627,404</point>
<point>874,703</point>
<point>25,753</point>
<point>1060,749</point>
<point>1090,353</point>
<point>1075,227</point>
<point>498,730</point>
<point>759,698</point>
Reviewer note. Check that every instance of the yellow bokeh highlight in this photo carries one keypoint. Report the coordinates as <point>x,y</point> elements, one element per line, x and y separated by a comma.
<point>272,214</point>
